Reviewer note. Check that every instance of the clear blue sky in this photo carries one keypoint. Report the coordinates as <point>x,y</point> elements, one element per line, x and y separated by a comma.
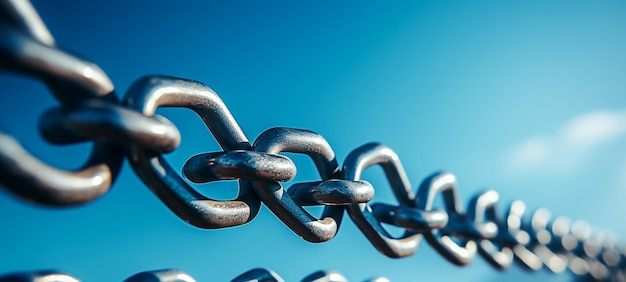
<point>526,98</point>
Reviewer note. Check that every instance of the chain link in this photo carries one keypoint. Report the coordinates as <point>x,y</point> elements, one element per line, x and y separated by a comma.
<point>27,47</point>
<point>174,275</point>
<point>90,112</point>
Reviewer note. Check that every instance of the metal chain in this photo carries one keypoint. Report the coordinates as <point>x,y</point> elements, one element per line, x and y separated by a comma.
<point>174,275</point>
<point>90,112</point>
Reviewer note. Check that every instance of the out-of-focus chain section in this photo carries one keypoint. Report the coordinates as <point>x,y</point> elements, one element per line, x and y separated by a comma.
<point>174,275</point>
<point>129,128</point>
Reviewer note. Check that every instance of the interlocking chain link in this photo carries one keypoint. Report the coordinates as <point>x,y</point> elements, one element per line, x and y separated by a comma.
<point>174,275</point>
<point>27,47</point>
<point>129,128</point>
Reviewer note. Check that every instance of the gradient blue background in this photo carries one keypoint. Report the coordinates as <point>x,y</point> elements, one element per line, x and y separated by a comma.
<point>487,90</point>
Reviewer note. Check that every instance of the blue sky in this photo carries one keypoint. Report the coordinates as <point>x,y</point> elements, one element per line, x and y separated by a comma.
<point>525,98</point>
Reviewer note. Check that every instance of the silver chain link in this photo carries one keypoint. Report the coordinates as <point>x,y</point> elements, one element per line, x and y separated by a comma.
<point>90,112</point>
<point>174,275</point>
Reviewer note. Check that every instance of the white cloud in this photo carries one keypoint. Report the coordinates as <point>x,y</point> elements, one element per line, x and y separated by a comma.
<point>532,151</point>
<point>594,128</point>
<point>569,145</point>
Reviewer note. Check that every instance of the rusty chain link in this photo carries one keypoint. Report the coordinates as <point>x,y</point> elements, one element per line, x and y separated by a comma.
<point>129,128</point>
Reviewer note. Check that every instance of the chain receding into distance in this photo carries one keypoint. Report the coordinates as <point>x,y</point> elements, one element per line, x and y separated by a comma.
<point>89,111</point>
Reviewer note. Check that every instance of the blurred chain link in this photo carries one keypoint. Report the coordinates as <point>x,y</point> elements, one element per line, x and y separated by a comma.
<point>174,275</point>
<point>89,111</point>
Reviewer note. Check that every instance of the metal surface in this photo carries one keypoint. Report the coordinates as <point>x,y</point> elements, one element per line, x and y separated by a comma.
<point>540,237</point>
<point>27,47</point>
<point>325,276</point>
<point>378,279</point>
<point>275,140</point>
<point>512,225</point>
<point>239,165</point>
<point>258,275</point>
<point>152,92</point>
<point>363,216</point>
<point>174,275</point>
<point>331,192</point>
<point>105,121</point>
<point>459,253</point>
<point>495,251</point>
<point>167,275</point>
<point>90,112</point>
<point>39,276</point>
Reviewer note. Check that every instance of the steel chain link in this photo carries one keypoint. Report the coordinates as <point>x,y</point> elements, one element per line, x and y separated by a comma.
<point>174,275</point>
<point>90,112</point>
